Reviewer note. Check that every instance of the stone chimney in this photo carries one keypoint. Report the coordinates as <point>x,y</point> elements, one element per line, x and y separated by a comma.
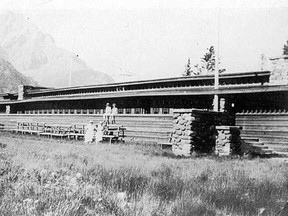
<point>279,72</point>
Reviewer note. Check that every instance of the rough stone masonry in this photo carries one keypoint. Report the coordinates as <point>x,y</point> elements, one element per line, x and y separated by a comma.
<point>228,140</point>
<point>195,130</point>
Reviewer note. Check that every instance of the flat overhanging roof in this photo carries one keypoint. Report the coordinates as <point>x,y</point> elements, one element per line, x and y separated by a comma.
<point>203,90</point>
<point>153,81</point>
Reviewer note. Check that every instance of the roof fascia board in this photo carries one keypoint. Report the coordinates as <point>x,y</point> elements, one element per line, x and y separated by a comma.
<point>179,91</point>
<point>141,82</point>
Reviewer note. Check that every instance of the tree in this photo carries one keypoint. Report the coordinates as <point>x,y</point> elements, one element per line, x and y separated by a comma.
<point>263,60</point>
<point>208,63</point>
<point>285,48</point>
<point>188,70</point>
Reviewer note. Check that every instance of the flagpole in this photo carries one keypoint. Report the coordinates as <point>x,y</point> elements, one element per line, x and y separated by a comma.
<point>71,61</point>
<point>216,77</point>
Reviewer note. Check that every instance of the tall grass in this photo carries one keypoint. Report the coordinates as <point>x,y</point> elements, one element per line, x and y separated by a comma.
<point>52,177</point>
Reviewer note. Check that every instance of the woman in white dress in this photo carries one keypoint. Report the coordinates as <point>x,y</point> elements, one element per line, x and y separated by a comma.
<point>114,112</point>
<point>89,132</point>
<point>99,132</point>
<point>107,113</point>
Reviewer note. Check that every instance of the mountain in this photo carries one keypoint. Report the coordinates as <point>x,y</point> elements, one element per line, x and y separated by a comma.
<point>36,55</point>
<point>10,78</point>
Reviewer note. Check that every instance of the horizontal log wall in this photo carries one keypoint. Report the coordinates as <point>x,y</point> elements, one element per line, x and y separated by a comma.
<point>140,128</point>
<point>271,127</point>
<point>153,110</point>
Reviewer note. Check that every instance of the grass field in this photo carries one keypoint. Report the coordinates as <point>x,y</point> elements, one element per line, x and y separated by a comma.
<point>53,177</point>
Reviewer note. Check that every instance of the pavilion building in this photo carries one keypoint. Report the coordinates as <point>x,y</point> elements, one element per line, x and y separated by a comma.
<point>258,100</point>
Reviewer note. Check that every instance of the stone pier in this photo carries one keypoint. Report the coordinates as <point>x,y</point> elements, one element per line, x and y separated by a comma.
<point>194,130</point>
<point>228,140</point>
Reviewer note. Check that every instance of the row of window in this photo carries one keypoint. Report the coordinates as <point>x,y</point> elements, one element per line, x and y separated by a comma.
<point>98,111</point>
<point>196,84</point>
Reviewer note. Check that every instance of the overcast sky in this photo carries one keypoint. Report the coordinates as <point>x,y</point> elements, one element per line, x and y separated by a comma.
<point>154,38</point>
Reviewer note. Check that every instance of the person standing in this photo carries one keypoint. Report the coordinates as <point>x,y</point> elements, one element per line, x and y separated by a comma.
<point>89,132</point>
<point>107,113</point>
<point>99,132</point>
<point>114,112</point>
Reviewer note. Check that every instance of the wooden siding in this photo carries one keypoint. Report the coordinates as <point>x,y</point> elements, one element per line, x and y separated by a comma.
<point>270,127</point>
<point>140,128</point>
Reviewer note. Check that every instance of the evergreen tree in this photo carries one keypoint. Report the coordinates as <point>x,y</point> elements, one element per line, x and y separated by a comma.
<point>208,63</point>
<point>188,70</point>
<point>263,60</point>
<point>285,48</point>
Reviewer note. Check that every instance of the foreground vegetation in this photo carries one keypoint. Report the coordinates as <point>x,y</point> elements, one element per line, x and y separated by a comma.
<point>53,177</point>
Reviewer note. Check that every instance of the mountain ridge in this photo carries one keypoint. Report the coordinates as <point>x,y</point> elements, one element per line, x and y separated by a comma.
<point>36,55</point>
<point>10,78</point>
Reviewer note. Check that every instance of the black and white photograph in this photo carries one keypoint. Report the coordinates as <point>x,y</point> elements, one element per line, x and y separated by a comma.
<point>143,108</point>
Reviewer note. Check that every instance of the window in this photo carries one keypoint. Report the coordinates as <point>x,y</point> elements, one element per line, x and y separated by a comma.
<point>137,110</point>
<point>120,111</point>
<point>97,111</point>
<point>66,111</point>
<point>155,110</point>
<point>128,110</point>
<point>72,111</point>
<point>165,111</point>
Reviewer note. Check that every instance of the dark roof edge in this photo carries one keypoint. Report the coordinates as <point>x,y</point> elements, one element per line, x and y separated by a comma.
<point>197,77</point>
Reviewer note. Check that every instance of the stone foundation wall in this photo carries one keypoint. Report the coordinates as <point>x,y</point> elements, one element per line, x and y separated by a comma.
<point>194,130</point>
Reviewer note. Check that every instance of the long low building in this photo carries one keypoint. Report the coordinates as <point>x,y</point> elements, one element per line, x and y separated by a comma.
<point>258,99</point>
<point>241,91</point>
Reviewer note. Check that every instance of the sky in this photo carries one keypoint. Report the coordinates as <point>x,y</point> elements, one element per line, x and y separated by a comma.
<point>154,38</point>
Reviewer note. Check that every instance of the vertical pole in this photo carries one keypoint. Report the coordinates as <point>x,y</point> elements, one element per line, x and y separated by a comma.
<point>216,77</point>
<point>71,61</point>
